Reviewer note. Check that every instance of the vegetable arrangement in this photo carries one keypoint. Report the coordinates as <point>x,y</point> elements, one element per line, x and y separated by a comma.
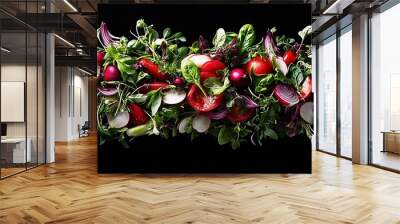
<point>235,88</point>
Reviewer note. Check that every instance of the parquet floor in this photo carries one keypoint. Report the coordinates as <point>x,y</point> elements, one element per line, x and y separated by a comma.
<point>70,191</point>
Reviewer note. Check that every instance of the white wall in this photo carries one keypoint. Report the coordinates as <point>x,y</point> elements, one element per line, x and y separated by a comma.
<point>71,102</point>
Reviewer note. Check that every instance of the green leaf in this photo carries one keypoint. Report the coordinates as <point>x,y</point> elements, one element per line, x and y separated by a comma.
<point>264,83</point>
<point>156,104</point>
<point>140,23</point>
<point>235,144</point>
<point>270,133</point>
<point>296,76</point>
<point>247,36</point>
<point>215,86</point>
<point>191,73</point>
<point>219,38</point>
<point>305,32</point>
<point>137,98</point>
<point>226,135</point>
<point>166,32</point>
<point>183,51</point>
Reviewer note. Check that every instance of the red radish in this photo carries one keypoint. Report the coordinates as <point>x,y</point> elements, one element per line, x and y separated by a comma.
<point>286,95</point>
<point>198,101</point>
<point>239,114</point>
<point>145,88</point>
<point>289,57</point>
<point>111,73</point>
<point>306,88</point>
<point>206,75</point>
<point>259,66</point>
<point>153,69</point>
<point>100,58</point>
<point>212,66</point>
<point>137,116</point>
<point>238,78</point>
<point>178,81</point>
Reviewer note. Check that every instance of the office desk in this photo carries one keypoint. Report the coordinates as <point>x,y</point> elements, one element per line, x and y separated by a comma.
<point>16,147</point>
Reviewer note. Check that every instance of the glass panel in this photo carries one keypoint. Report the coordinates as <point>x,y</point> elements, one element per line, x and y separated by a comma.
<point>41,99</point>
<point>345,93</point>
<point>327,95</point>
<point>13,86</point>
<point>385,84</point>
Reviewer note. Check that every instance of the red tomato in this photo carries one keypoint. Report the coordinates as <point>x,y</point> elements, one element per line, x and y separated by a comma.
<point>289,57</point>
<point>206,75</point>
<point>306,88</point>
<point>145,88</point>
<point>198,101</point>
<point>152,69</point>
<point>212,66</point>
<point>260,66</point>
<point>137,116</point>
<point>238,114</point>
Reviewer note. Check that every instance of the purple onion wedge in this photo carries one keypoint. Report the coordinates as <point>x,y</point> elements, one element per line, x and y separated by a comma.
<point>286,95</point>
<point>108,91</point>
<point>217,115</point>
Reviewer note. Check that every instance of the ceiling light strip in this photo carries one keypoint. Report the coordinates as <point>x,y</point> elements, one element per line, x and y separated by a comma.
<point>64,40</point>
<point>70,5</point>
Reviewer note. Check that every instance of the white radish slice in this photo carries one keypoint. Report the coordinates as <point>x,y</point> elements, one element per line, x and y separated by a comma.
<point>281,65</point>
<point>183,125</point>
<point>307,112</point>
<point>200,59</point>
<point>201,123</point>
<point>118,121</point>
<point>174,96</point>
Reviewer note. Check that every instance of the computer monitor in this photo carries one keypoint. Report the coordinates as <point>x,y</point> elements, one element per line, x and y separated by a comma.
<point>3,130</point>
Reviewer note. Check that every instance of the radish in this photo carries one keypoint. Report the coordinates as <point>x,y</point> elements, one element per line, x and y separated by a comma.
<point>307,112</point>
<point>238,78</point>
<point>178,81</point>
<point>286,95</point>
<point>281,65</point>
<point>111,73</point>
<point>118,121</point>
<point>108,91</point>
<point>201,123</point>
<point>183,124</point>
<point>174,96</point>
<point>306,88</point>
<point>197,59</point>
<point>100,57</point>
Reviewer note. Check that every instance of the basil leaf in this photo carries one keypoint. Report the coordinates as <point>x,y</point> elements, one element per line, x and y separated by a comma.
<point>219,38</point>
<point>215,86</point>
<point>305,32</point>
<point>137,98</point>
<point>166,32</point>
<point>270,133</point>
<point>226,135</point>
<point>191,73</point>
<point>247,36</point>
<point>156,104</point>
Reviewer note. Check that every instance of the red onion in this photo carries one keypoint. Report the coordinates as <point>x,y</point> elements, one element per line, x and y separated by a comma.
<point>238,78</point>
<point>111,73</point>
<point>105,37</point>
<point>218,115</point>
<point>108,91</point>
<point>286,95</point>
<point>249,103</point>
<point>270,45</point>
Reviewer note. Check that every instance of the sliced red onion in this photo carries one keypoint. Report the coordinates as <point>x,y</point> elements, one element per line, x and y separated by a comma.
<point>218,115</point>
<point>249,103</point>
<point>270,45</point>
<point>106,37</point>
<point>108,91</point>
<point>286,95</point>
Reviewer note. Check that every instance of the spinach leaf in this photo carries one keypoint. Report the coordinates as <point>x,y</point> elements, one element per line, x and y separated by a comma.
<point>226,135</point>
<point>247,36</point>
<point>215,86</point>
<point>219,38</point>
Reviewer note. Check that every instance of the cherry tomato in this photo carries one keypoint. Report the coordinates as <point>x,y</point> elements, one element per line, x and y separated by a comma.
<point>198,101</point>
<point>153,69</point>
<point>259,66</point>
<point>212,66</point>
<point>239,114</point>
<point>306,88</point>
<point>289,57</point>
<point>137,116</point>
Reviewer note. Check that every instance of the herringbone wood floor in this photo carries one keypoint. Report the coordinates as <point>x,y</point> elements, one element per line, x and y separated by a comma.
<point>70,191</point>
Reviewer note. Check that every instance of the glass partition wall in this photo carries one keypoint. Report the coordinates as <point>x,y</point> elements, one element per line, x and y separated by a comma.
<point>385,89</point>
<point>22,77</point>
<point>334,94</point>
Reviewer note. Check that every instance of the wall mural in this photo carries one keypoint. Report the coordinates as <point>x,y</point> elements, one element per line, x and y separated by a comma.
<point>232,90</point>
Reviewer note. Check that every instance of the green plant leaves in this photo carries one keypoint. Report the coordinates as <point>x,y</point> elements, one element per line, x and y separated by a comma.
<point>219,38</point>
<point>215,86</point>
<point>247,36</point>
<point>191,73</point>
<point>226,135</point>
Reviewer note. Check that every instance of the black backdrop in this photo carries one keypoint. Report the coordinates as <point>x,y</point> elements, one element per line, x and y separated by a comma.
<point>204,155</point>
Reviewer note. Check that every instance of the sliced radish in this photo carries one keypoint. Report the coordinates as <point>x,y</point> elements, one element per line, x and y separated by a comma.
<point>174,96</point>
<point>307,112</point>
<point>200,59</point>
<point>201,123</point>
<point>108,91</point>
<point>118,121</point>
<point>306,88</point>
<point>183,124</point>
<point>280,63</point>
<point>286,95</point>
